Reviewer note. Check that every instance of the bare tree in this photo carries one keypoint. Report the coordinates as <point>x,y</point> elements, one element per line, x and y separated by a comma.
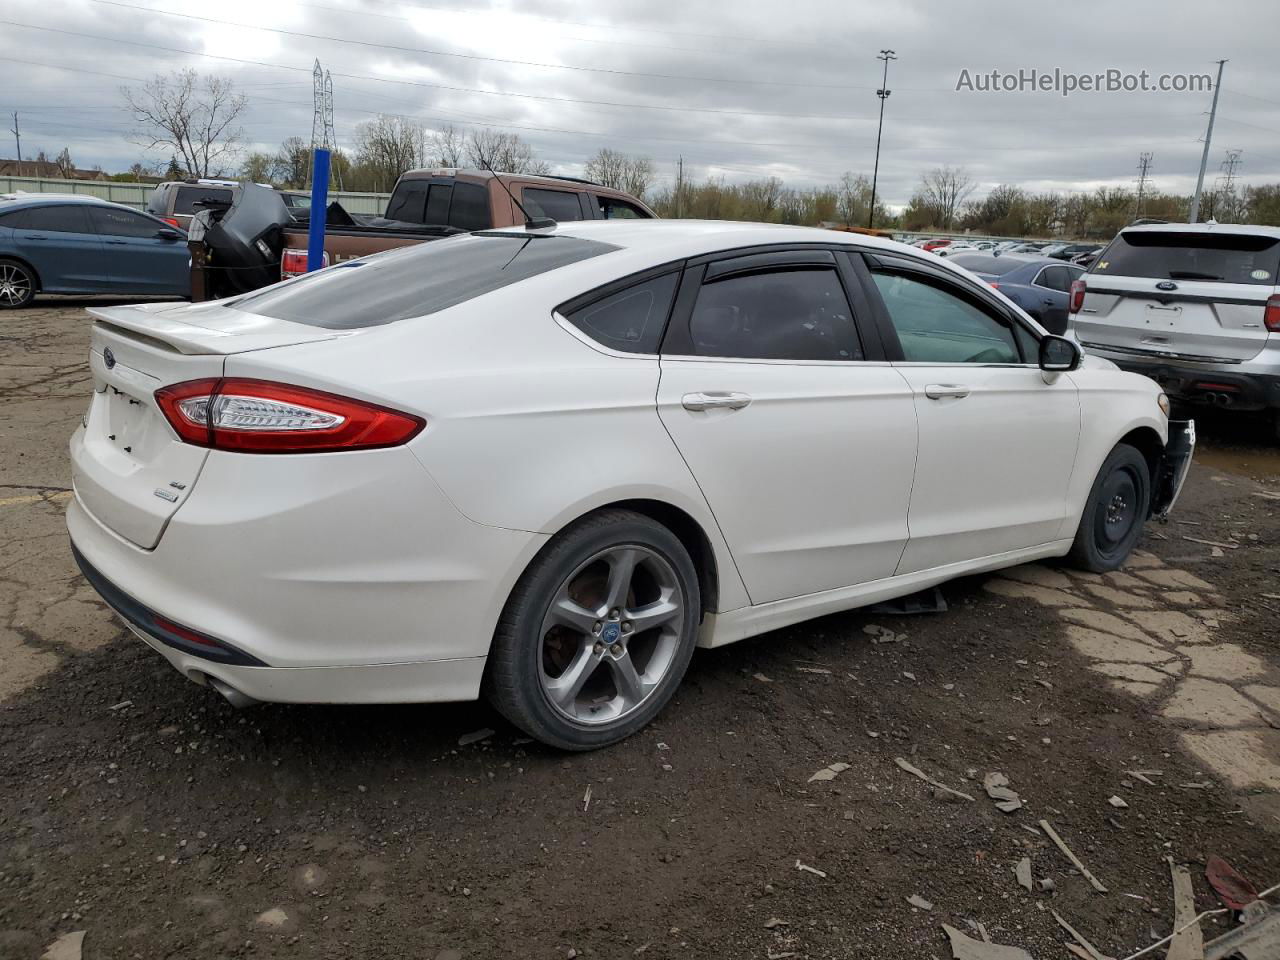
<point>502,152</point>
<point>447,147</point>
<point>193,117</point>
<point>65,165</point>
<point>760,198</point>
<point>291,165</point>
<point>945,189</point>
<point>854,197</point>
<point>386,147</point>
<point>258,167</point>
<point>622,172</point>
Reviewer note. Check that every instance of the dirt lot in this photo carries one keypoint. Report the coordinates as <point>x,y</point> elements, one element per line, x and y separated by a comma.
<point>143,810</point>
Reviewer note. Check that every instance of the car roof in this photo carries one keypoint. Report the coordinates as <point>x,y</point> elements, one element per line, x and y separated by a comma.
<point>678,239</point>
<point>17,201</point>
<point>1247,229</point>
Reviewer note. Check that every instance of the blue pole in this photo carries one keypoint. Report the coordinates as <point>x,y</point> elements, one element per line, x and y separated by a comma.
<point>319,204</point>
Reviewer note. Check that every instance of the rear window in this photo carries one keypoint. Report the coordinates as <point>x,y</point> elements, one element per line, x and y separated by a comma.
<point>995,266</point>
<point>185,202</point>
<point>155,202</point>
<point>1224,257</point>
<point>440,203</point>
<point>416,280</point>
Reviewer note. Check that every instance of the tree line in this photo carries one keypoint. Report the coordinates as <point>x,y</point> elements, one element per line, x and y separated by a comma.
<point>196,120</point>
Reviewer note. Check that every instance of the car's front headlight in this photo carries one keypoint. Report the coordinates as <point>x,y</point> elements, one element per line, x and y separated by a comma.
<point>1162,402</point>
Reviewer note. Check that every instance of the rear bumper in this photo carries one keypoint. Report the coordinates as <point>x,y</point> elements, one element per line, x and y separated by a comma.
<point>1240,386</point>
<point>350,581</point>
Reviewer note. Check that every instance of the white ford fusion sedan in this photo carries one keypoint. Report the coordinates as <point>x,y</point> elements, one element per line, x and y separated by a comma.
<point>544,465</point>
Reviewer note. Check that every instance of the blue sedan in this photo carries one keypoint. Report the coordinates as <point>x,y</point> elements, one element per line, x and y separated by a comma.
<point>83,245</point>
<point>1039,285</point>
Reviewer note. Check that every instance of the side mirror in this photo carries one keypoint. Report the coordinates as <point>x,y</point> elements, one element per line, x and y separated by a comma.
<point>166,234</point>
<point>1059,355</point>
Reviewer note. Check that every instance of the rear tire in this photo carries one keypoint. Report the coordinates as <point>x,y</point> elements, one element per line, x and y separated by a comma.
<point>1118,505</point>
<point>17,284</point>
<point>597,633</point>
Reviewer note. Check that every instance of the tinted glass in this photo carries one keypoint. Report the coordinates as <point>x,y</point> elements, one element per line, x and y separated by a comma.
<point>66,219</point>
<point>122,223</point>
<point>409,201</point>
<point>1056,278</point>
<point>185,202</point>
<point>155,202</point>
<point>937,326</point>
<point>416,280</point>
<point>1233,258</point>
<point>556,204</point>
<point>438,203</point>
<point>631,320</point>
<point>980,263</point>
<point>612,209</point>
<point>470,208</point>
<point>779,315</point>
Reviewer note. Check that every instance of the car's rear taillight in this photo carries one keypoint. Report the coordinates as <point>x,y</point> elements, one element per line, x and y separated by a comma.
<point>293,262</point>
<point>260,416</point>
<point>1077,296</point>
<point>993,285</point>
<point>1271,316</point>
<point>172,221</point>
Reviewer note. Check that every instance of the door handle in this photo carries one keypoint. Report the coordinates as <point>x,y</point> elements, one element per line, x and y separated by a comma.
<point>937,391</point>
<point>710,401</point>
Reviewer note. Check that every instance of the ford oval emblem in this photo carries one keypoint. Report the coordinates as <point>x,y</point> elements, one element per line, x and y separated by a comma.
<point>1166,285</point>
<point>109,358</point>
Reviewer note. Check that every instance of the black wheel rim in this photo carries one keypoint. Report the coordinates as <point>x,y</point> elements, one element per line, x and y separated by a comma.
<point>1119,504</point>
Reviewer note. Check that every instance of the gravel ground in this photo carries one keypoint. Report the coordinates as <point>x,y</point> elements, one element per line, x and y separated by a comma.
<point>146,812</point>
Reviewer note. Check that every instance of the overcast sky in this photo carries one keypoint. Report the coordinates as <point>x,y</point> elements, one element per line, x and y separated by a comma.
<point>741,89</point>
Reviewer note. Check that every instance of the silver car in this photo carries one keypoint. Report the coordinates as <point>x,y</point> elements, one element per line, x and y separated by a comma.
<point>1196,307</point>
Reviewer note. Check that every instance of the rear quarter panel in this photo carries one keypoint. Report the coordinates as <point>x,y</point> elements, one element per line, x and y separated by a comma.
<point>528,428</point>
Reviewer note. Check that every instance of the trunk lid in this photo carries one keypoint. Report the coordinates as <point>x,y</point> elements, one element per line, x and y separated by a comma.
<point>1181,294</point>
<point>129,468</point>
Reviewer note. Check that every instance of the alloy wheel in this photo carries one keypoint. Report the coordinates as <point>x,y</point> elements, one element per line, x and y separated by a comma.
<point>610,634</point>
<point>15,285</point>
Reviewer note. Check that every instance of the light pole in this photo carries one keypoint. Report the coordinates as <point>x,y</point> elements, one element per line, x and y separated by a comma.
<point>1194,215</point>
<point>883,94</point>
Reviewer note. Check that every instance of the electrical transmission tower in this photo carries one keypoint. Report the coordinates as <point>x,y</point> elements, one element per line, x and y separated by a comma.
<point>1144,171</point>
<point>317,100</point>
<point>1225,188</point>
<point>330,134</point>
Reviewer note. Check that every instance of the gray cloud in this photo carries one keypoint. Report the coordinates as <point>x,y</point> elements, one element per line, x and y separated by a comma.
<point>742,89</point>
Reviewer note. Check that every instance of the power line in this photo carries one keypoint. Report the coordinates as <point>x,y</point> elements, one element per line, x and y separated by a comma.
<point>475,56</point>
<point>422,83</point>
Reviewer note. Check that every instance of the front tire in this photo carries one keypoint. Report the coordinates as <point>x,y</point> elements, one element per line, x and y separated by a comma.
<point>17,285</point>
<point>597,633</point>
<point>1118,505</point>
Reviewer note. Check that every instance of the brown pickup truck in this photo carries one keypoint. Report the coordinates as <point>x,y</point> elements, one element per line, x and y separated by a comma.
<point>429,204</point>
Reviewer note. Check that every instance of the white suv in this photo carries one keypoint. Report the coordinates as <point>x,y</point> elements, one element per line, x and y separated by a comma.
<point>1196,307</point>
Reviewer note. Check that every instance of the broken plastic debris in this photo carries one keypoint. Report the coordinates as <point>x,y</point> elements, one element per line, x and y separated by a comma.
<point>1118,803</point>
<point>966,948</point>
<point>808,869</point>
<point>1066,852</point>
<point>474,737</point>
<point>1232,887</point>
<point>917,772</point>
<point>1022,871</point>
<point>997,787</point>
<point>919,902</point>
<point>829,773</point>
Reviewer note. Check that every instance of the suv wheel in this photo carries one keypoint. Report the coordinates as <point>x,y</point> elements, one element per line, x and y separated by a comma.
<point>1118,505</point>
<point>17,285</point>
<point>597,634</point>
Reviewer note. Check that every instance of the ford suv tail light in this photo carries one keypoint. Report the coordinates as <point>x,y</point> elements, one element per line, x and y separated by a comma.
<point>1271,316</point>
<point>260,416</point>
<point>293,262</point>
<point>1077,296</point>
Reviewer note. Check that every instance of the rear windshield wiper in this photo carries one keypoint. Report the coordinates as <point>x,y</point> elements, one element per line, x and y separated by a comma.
<point>1192,275</point>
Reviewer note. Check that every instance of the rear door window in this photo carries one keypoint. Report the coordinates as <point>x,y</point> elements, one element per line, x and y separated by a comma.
<point>416,280</point>
<point>1056,278</point>
<point>559,205</point>
<point>631,320</point>
<point>798,313</point>
<point>612,208</point>
<point>185,202</point>
<point>1167,255</point>
<point>123,223</point>
<point>67,219</point>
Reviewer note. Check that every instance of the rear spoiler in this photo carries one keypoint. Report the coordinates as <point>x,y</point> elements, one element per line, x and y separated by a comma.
<point>227,331</point>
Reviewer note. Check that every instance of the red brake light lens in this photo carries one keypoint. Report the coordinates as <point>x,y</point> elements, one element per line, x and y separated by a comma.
<point>260,416</point>
<point>1271,317</point>
<point>1077,296</point>
<point>293,262</point>
<point>172,221</point>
